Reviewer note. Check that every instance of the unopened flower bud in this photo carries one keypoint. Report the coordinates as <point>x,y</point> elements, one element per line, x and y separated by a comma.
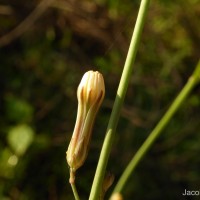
<point>116,196</point>
<point>90,93</point>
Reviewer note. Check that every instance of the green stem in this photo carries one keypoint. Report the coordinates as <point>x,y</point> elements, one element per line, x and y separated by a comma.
<point>193,80</point>
<point>123,85</point>
<point>76,196</point>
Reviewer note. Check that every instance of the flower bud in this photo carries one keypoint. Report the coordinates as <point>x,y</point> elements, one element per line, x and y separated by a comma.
<point>116,196</point>
<point>90,94</point>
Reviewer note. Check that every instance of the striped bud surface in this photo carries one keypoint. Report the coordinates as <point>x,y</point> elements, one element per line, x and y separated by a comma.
<point>90,94</point>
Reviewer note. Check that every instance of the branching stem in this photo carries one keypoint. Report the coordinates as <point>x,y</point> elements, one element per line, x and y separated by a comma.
<point>193,80</point>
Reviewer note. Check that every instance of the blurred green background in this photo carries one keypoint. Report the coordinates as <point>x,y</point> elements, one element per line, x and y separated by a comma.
<point>46,47</point>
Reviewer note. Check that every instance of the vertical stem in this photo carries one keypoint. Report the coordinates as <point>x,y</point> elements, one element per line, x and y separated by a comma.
<point>76,196</point>
<point>193,80</point>
<point>123,85</point>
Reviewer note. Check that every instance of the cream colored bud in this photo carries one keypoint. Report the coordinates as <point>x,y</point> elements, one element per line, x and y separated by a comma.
<point>90,94</point>
<point>116,196</point>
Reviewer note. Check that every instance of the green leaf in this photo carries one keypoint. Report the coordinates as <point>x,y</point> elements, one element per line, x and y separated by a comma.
<point>20,137</point>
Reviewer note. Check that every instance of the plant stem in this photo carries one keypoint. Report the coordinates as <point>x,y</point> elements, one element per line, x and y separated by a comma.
<point>193,80</point>
<point>76,196</point>
<point>123,85</point>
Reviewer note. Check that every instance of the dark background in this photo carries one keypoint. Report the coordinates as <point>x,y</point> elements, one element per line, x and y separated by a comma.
<point>45,48</point>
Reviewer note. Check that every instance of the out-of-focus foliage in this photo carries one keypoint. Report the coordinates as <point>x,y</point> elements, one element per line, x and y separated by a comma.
<point>22,133</point>
<point>44,50</point>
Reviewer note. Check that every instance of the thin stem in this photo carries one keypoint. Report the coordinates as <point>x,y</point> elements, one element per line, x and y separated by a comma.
<point>123,85</point>
<point>193,80</point>
<point>76,196</point>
